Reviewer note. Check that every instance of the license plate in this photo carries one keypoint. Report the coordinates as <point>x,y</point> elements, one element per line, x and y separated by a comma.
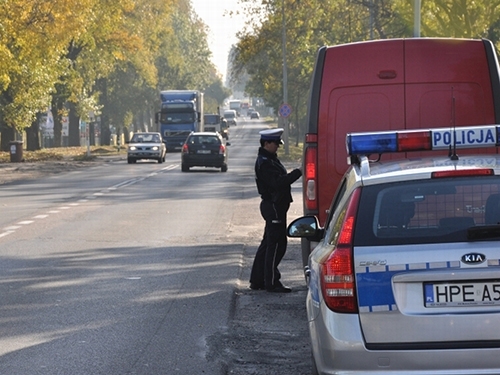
<point>203,151</point>
<point>462,294</point>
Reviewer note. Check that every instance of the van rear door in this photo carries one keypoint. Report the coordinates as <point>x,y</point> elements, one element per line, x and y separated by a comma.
<point>357,96</point>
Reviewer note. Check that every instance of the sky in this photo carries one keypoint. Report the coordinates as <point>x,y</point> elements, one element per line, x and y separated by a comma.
<point>222,28</point>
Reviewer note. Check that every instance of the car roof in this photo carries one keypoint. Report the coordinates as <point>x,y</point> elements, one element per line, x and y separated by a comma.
<point>422,168</point>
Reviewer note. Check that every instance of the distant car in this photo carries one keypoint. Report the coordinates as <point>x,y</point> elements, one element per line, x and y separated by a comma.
<point>405,278</point>
<point>230,115</point>
<point>204,149</point>
<point>254,115</point>
<point>147,145</point>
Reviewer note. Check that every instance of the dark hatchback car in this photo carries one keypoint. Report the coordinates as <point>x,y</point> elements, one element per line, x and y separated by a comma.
<point>204,149</point>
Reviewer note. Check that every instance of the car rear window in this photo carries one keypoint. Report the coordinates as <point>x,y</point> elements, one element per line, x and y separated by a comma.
<point>426,211</point>
<point>203,140</point>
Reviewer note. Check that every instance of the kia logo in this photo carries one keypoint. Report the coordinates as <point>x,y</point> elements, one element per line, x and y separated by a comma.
<point>473,258</point>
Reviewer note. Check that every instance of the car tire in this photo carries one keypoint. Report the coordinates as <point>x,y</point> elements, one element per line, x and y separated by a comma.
<point>160,160</point>
<point>223,168</point>
<point>184,168</point>
<point>131,161</point>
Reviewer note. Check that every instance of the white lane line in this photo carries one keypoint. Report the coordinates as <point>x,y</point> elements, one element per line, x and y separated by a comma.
<point>12,229</point>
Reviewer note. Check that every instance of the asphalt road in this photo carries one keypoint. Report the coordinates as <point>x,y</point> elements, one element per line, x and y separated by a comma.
<point>142,269</point>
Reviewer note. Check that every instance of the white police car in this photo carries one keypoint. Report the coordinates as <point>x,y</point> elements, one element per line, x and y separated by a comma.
<point>406,276</point>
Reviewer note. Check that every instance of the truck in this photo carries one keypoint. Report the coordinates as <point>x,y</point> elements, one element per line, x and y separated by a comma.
<point>216,123</point>
<point>181,113</point>
<point>236,106</point>
<point>391,84</point>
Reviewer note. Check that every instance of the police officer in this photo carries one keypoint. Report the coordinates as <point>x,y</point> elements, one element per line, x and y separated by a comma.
<point>274,186</point>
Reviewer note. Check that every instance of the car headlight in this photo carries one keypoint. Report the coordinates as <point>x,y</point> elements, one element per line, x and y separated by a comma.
<point>132,148</point>
<point>155,148</point>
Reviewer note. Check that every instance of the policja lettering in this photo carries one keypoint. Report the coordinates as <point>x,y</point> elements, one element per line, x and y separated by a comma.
<point>274,186</point>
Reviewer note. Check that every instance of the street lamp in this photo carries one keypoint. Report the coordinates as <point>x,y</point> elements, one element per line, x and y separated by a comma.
<point>285,78</point>
<point>416,17</point>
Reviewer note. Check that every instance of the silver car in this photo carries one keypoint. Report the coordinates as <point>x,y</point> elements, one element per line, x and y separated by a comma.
<point>146,145</point>
<point>406,276</point>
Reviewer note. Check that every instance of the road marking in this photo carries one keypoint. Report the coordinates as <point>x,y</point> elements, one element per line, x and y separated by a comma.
<point>12,229</point>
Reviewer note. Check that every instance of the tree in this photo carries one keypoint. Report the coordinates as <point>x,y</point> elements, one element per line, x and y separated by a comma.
<point>34,34</point>
<point>311,24</point>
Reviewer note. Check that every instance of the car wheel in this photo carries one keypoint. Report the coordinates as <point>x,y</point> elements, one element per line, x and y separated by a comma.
<point>223,168</point>
<point>131,161</point>
<point>160,160</point>
<point>184,168</point>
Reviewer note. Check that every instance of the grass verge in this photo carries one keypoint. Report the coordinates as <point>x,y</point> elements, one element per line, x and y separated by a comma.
<point>65,153</point>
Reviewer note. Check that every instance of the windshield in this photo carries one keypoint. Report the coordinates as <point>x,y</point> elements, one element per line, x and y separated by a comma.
<point>212,119</point>
<point>427,211</point>
<point>178,118</point>
<point>176,133</point>
<point>146,138</point>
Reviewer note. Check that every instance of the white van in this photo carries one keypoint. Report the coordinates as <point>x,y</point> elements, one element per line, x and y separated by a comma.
<point>230,116</point>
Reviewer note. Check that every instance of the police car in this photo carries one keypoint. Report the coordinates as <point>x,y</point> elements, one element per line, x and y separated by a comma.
<point>406,276</point>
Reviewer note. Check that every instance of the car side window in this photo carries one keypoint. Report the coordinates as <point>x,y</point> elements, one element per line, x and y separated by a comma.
<point>334,215</point>
<point>335,202</point>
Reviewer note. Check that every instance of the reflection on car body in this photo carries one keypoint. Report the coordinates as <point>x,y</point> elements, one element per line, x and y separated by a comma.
<point>405,278</point>
<point>146,145</point>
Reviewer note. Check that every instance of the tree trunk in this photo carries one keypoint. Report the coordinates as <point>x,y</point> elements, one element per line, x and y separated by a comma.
<point>33,135</point>
<point>57,111</point>
<point>7,135</point>
<point>74,126</point>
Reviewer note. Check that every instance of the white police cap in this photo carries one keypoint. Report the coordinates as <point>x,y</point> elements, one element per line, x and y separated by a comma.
<point>272,135</point>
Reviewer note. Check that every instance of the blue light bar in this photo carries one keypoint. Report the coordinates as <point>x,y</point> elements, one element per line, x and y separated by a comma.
<point>423,139</point>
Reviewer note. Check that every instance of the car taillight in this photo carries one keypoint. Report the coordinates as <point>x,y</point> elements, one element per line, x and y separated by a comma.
<point>337,269</point>
<point>222,149</point>
<point>463,173</point>
<point>185,148</point>
<point>310,177</point>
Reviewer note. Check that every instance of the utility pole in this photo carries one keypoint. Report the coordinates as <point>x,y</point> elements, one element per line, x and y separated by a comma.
<point>285,77</point>
<point>416,18</point>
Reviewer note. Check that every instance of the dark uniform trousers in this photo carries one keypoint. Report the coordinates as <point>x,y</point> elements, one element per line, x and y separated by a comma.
<point>272,247</point>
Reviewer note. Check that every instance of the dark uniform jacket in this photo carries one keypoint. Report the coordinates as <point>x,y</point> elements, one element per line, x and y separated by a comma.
<point>273,181</point>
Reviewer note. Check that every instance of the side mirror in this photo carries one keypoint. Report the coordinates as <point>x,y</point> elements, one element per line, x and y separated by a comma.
<point>306,227</point>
